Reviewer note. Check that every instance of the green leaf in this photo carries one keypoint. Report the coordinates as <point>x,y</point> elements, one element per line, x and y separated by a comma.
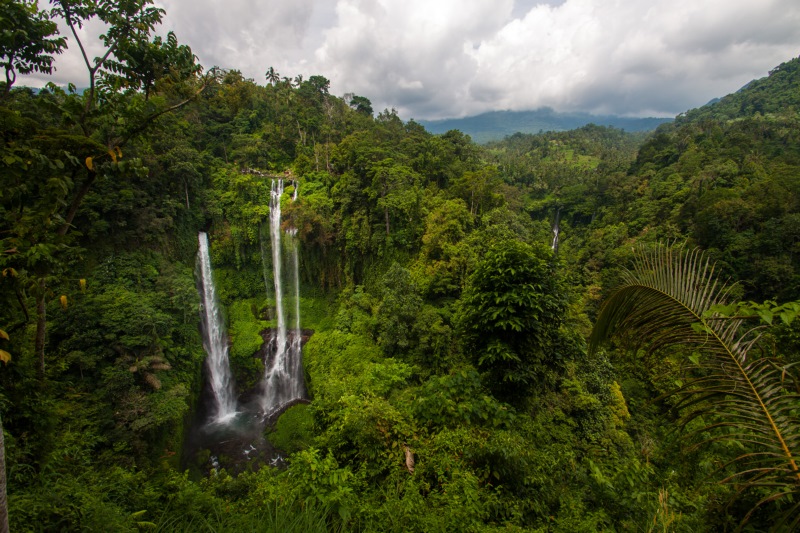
<point>700,327</point>
<point>765,315</point>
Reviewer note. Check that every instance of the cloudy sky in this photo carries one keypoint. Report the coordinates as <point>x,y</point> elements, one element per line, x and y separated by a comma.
<point>450,58</point>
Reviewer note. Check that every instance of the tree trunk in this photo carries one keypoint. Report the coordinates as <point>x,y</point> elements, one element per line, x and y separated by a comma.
<point>76,202</point>
<point>384,192</point>
<point>41,325</point>
<point>186,190</point>
<point>3,499</point>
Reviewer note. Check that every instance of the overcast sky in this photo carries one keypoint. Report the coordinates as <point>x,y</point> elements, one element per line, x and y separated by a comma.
<point>450,58</point>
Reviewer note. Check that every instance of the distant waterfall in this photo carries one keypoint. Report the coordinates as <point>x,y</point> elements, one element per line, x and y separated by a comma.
<point>215,340</point>
<point>556,230</point>
<point>283,378</point>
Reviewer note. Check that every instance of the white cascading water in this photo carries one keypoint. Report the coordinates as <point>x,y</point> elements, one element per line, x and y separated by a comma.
<point>296,362</point>
<point>554,245</point>
<point>556,231</point>
<point>215,340</point>
<point>283,377</point>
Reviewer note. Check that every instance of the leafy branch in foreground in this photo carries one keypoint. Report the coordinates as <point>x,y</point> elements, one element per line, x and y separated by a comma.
<point>672,297</point>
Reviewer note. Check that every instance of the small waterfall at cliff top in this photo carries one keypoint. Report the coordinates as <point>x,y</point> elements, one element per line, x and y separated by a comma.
<point>283,376</point>
<point>215,341</point>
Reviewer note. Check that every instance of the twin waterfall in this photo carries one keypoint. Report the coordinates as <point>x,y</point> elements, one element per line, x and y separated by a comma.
<point>283,380</point>
<point>283,377</point>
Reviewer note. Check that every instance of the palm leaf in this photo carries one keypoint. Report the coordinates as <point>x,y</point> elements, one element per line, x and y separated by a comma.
<point>666,300</point>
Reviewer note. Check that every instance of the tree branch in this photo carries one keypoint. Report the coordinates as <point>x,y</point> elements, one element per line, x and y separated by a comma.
<point>149,120</point>
<point>76,203</point>
<point>68,19</point>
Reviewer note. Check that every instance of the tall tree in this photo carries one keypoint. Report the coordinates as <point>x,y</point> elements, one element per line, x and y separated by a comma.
<point>272,76</point>
<point>511,311</point>
<point>361,104</point>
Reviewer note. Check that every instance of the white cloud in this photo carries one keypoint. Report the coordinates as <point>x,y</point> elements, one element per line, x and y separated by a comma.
<point>246,35</point>
<point>439,58</point>
<point>408,55</point>
<point>633,57</point>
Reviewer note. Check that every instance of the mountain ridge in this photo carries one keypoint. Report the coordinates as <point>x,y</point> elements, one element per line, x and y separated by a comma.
<point>495,125</point>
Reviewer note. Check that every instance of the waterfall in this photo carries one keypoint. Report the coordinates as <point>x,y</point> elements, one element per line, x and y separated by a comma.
<point>215,340</point>
<point>283,377</point>
<point>556,231</point>
<point>275,241</point>
<point>266,267</point>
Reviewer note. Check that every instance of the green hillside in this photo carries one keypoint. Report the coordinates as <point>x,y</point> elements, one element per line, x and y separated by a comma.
<point>774,94</point>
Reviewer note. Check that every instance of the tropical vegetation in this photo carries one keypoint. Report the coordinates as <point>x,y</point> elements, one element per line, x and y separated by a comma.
<point>469,369</point>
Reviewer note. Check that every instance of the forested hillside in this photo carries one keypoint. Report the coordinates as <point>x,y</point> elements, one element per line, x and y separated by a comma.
<point>448,293</point>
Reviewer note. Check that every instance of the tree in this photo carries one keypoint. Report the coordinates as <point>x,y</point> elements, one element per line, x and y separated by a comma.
<point>477,188</point>
<point>512,309</point>
<point>400,306</point>
<point>396,190</point>
<point>143,63</point>
<point>443,261</point>
<point>28,40</point>
<point>319,84</point>
<point>130,24</point>
<point>272,76</point>
<point>361,104</point>
<point>672,298</point>
<point>49,172</point>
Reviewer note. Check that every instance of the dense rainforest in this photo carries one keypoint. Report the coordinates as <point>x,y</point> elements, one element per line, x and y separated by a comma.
<point>448,294</point>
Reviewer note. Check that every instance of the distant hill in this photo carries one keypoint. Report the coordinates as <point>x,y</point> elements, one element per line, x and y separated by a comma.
<point>495,125</point>
<point>37,90</point>
<point>775,94</point>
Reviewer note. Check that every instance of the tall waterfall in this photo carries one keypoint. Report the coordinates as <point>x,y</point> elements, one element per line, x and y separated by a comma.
<point>283,377</point>
<point>215,340</point>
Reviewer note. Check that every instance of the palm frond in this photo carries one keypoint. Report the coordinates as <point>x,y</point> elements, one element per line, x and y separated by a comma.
<point>667,300</point>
